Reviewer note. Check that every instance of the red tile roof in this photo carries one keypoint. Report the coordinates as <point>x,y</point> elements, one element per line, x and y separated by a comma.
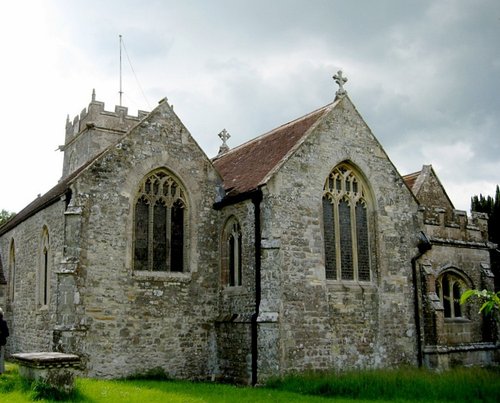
<point>246,167</point>
<point>410,179</point>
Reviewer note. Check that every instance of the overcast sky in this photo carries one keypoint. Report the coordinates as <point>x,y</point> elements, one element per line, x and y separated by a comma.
<point>425,75</point>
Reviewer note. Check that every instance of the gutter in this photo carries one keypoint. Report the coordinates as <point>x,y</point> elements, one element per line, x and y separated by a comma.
<point>423,245</point>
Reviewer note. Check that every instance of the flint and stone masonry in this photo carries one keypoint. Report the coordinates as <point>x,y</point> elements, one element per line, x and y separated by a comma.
<point>253,231</point>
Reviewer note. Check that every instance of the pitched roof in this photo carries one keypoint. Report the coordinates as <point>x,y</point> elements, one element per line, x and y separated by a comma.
<point>416,183</point>
<point>410,179</point>
<point>52,196</point>
<point>248,166</point>
<point>62,187</point>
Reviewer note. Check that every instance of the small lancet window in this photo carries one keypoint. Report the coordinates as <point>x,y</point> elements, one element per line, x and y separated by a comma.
<point>44,272</point>
<point>160,224</point>
<point>346,227</point>
<point>12,270</point>
<point>232,254</point>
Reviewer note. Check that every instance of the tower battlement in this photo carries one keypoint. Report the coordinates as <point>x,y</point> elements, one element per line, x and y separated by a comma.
<point>95,116</point>
<point>93,130</point>
<point>459,227</point>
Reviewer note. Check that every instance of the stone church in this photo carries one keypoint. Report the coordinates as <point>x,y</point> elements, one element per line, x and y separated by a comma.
<point>301,249</point>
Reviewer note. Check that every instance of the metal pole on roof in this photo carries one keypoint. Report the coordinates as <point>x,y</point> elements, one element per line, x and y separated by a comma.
<point>120,92</point>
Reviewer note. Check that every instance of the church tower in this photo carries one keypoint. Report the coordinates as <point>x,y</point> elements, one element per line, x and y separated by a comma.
<point>92,131</point>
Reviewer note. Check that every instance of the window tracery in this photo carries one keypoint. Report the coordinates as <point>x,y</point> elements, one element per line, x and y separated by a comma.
<point>346,227</point>
<point>160,224</point>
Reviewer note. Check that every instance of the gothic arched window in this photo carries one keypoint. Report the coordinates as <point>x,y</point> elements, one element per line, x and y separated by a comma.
<point>160,224</point>
<point>346,227</point>
<point>449,287</point>
<point>43,271</point>
<point>12,270</point>
<point>231,254</point>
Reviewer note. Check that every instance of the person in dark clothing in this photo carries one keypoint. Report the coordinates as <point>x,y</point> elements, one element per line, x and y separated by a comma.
<point>4,333</point>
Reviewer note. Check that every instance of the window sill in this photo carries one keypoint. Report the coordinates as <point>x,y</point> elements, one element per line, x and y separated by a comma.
<point>349,284</point>
<point>171,276</point>
<point>233,289</point>
<point>457,320</point>
<point>43,308</point>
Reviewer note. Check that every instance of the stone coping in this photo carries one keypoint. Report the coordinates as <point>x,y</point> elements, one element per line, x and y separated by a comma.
<point>46,359</point>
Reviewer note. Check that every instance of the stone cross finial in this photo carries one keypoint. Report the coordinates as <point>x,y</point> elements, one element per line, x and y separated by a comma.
<point>340,80</point>
<point>224,136</point>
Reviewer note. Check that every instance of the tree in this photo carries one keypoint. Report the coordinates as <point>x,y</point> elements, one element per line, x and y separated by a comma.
<point>5,216</point>
<point>490,299</point>
<point>491,206</point>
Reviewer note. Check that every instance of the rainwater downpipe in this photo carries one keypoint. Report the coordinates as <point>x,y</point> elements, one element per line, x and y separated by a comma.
<point>256,200</point>
<point>423,245</point>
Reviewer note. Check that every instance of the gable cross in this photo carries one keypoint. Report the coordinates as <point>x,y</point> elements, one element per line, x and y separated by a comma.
<point>340,80</point>
<point>224,136</point>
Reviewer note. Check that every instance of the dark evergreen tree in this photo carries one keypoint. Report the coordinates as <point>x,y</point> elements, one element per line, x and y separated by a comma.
<point>491,206</point>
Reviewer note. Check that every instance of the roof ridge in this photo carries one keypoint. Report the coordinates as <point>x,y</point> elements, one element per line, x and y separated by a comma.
<point>413,173</point>
<point>270,132</point>
<point>245,167</point>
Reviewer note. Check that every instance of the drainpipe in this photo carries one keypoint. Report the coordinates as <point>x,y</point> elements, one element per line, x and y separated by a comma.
<point>256,197</point>
<point>423,245</point>
<point>256,200</point>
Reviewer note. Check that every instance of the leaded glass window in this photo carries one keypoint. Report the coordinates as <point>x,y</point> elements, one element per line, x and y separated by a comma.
<point>159,224</point>
<point>346,226</point>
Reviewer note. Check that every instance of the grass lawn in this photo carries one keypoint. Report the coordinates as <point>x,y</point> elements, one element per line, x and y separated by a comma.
<point>411,385</point>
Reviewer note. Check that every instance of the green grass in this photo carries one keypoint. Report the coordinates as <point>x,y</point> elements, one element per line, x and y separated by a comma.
<point>407,385</point>
<point>410,384</point>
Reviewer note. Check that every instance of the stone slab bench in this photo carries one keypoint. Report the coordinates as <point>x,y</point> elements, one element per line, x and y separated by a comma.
<point>55,369</point>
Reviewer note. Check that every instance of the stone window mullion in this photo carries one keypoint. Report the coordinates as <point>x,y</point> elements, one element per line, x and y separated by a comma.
<point>449,287</point>
<point>160,224</point>
<point>346,229</point>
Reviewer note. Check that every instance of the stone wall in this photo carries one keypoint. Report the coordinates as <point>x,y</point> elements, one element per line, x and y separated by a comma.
<point>30,322</point>
<point>431,193</point>
<point>325,324</point>
<point>142,320</point>
<point>460,247</point>
<point>237,305</point>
